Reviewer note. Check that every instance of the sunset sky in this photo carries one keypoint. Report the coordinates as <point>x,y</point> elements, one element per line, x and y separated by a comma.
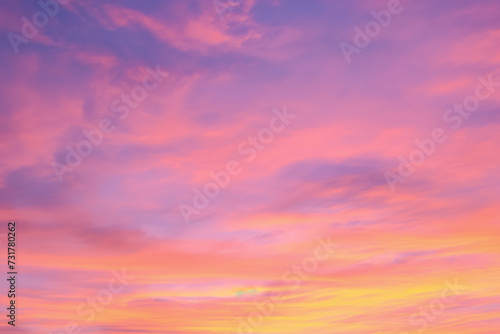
<point>251,166</point>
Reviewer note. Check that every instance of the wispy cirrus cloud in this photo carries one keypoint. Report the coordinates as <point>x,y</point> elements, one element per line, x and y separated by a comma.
<point>323,175</point>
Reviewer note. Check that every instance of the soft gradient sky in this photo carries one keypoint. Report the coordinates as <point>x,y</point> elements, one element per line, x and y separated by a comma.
<point>225,75</point>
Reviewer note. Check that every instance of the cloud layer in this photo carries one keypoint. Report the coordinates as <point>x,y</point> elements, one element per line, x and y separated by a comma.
<point>226,69</point>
